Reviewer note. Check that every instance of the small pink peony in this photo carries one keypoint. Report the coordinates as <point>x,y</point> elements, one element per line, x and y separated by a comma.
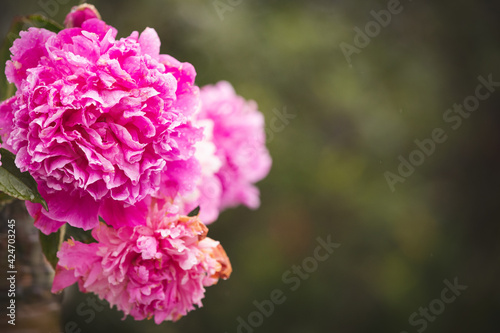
<point>238,134</point>
<point>80,14</point>
<point>159,269</point>
<point>97,120</point>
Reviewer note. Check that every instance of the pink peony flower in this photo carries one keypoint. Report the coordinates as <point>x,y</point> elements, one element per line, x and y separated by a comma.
<point>239,139</point>
<point>99,120</point>
<point>159,269</point>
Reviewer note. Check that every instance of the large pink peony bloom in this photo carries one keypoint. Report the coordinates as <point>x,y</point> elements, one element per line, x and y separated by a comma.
<point>98,121</point>
<point>159,269</point>
<point>237,131</point>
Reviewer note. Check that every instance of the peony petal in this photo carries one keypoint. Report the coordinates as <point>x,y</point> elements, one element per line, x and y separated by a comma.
<point>150,43</point>
<point>117,213</point>
<point>62,279</point>
<point>27,52</point>
<point>77,209</point>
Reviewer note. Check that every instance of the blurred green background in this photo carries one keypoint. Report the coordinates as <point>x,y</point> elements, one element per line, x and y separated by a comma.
<point>352,120</point>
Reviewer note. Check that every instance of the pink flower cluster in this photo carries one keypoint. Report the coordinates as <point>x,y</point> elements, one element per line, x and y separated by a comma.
<point>159,269</point>
<point>111,129</point>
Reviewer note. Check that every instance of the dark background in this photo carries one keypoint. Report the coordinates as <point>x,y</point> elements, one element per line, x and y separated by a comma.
<point>352,123</point>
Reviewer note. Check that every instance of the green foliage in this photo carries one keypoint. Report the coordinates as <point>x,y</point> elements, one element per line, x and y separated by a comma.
<point>17,184</point>
<point>78,234</point>
<point>51,244</point>
<point>194,212</point>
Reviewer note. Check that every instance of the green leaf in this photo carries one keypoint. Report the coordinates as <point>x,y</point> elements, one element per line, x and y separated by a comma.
<point>19,24</point>
<point>18,184</point>
<point>194,212</point>
<point>78,234</point>
<point>41,21</point>
<point>51,244</point>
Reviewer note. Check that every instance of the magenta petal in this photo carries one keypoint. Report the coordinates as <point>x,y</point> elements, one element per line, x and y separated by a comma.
<point>44,223</point>
<point>119,214</point>
<point>75,260</point>
<point>6,120</point>
<point>27,52</point>
<point>98,27</point>
<point>63,278</point>
<point>150,43</point>
<point>77,209</point>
